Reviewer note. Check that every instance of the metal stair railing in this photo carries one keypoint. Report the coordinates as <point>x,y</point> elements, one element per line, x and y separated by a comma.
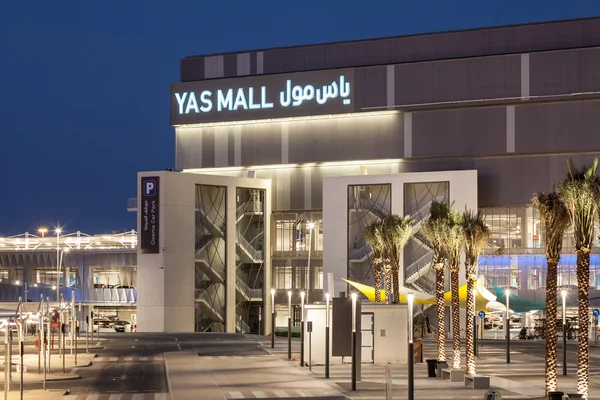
<point>246,290</point>
<point>202,242</point>
<point>219,229</point>
<point>242,326</point>
<point>424,284</point>
<point>413,271</point>
<point>255,255</point>
<point>218,270</point>
<point>248,207</point>
<point>205,299</point>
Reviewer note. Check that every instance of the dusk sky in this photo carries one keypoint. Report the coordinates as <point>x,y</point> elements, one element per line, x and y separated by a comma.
<point>84,85</point>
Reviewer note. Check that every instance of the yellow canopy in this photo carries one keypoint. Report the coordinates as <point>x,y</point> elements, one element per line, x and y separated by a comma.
<point>369,292</point>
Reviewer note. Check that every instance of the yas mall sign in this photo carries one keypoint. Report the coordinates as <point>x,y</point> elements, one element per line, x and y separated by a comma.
<point>263,97</point>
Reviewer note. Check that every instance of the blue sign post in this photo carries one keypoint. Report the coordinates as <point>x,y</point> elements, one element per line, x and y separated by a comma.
<point>596,313</point>
<point>481,314</point>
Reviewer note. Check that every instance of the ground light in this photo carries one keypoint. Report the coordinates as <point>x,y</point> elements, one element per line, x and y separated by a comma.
<point>272,318</point>
<point>354,363</point>
<point>564,321</point>
<point>327,335</point>
<point>289,325</point>
<point>507,326</point>
<point>411,358</point>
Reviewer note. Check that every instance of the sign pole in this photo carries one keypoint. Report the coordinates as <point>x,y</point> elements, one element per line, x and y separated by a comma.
<point>327,335</point>
<point>302,329</point>
<point>411,358</point>
<point>354,341</point>
<point>565,329</point>
<point>272,318</point>
<point>290,325</point>
<point>507,326</point>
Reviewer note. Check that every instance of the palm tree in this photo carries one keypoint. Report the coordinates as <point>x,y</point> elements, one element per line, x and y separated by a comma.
<point>579,193</point>
<point>555,216</point>
<point>396,232</point>
<point>435,230</point>
<point>373,236</point>
<point>476,235</point>
<point>452,246</point>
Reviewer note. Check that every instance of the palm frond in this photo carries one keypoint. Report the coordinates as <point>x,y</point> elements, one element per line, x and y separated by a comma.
<point>476,235</point>
<point>555,217</point>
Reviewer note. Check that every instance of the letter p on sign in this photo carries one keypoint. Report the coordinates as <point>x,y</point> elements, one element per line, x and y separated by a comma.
<point>150,188</point>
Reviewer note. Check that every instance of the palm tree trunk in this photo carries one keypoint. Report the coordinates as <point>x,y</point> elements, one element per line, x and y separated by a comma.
<point>388,283</point>
<point>583,351</point>
<point>455,318</point>
<point>470,315</point>
<point>377,278</point>
<point>440,304</point>
<point>396,284</point>
<point>551,352</point>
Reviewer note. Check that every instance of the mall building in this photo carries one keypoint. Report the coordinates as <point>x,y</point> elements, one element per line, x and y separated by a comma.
<point>287,154</point>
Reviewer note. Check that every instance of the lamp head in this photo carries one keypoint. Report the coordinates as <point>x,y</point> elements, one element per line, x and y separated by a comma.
<point>353,296</point>
<point>58,230</point>
<point>507,292</point>
<point>410,298</point>
<point>272,292</point>
<point>302,294</point>
<point>310,225</point>
<point>327,296</point>
<point>290,294</point>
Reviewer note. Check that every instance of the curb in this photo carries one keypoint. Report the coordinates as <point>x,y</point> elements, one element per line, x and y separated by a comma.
<point>169,387</point>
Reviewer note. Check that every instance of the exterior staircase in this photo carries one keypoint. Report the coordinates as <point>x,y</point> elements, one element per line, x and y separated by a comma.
<point>204,299</point>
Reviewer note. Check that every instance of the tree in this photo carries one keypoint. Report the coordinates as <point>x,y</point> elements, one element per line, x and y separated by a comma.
<point>373,236</point>
<point>579,192</point>
<point>555,217</point>
<point>476,235</point>
<point>453,245</point>
<point>396,232</point>
<point>435,230</point>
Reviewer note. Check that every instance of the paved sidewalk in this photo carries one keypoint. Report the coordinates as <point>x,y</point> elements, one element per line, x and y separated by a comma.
<point>36,395</point>
<point>192,377</point>
<point>31,375</point>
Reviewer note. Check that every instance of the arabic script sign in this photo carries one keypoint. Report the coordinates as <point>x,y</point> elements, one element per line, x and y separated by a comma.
<point>262,97</point>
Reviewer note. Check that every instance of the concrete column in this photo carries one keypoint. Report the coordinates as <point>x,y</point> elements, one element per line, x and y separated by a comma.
<point>268,268</point>
<point>230,246</point>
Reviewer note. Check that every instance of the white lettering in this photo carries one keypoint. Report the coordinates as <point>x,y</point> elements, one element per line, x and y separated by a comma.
<point>224,102</point>
<point>285,97</point>
<point>240,100</point>
<point>205,99</point>
<point>344,87</point>
<point>263,98</point>
<point>192,104</point>
<point>251,104</point>
<point>180,100</point>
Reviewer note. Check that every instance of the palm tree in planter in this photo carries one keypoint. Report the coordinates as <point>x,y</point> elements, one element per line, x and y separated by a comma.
<point>579,192</point>
<point>475,237</point>
<point>396,232</point>
<point>555,217</point>
<point>435,230</point>
<point>373,236</point>
<point>452,246</point>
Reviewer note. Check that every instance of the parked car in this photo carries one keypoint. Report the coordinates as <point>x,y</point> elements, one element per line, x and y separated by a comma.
<point>122,326</point>
<point>124,287</point>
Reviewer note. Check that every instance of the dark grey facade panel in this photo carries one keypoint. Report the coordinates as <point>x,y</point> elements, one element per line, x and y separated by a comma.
<point>231,146</point>
<point>462,132</point>
<point>253,63</point>
<point>230,65</point>
<point>261,144</point>
<point>557,127</point>
<point>418,48</point>
<point>208,147</point>
<point>372,87</point>
<point>590,70</point>
<point>297,190</point>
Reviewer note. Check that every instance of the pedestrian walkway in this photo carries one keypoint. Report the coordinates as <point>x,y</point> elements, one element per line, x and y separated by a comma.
<point>54,368</point>
<point>128,359</point>
<point>37,395</point>
<point>118,396</point>
<point>280,394</point>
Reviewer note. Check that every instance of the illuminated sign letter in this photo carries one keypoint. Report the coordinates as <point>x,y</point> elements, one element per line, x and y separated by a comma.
<point>205,99</point>
<point>251,104</point>
<point>180,100</point>
<point>240,100</point>
<point>192,104</point>
<point>224,102</point>
<point>263,98</point>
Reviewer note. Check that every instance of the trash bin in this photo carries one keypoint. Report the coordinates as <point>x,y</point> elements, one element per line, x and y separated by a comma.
<point>431,366</point>
<point>555,395</point>
<point>492,395</point>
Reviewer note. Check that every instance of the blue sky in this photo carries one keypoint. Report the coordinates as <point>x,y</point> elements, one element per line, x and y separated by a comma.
<point>85,85</point>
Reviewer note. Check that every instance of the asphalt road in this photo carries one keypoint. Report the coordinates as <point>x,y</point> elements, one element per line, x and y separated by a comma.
<point>133,362</point>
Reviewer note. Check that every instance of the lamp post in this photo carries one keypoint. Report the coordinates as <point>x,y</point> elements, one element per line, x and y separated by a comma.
<point>58,261</point>
<point>564,321</point>
<point>354,341</point>
<point>302,295</point>
<point>411,358</point>
<point>327,335</point>
<point>289,325</point>
<point>507,326</point>
<point>272,318</point>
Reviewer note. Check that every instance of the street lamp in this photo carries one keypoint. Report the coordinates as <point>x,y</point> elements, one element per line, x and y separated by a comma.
<point>59,271</point>
<point>272,318</point>
<point>58,261</point>
<point>411,358</point>
<point>354,363</point>
<point>327,335</point>
<point>302,294</point>
<point>42,231</point>
<point>564,323</point>
<point>289,325</point>
<point>507,326</point>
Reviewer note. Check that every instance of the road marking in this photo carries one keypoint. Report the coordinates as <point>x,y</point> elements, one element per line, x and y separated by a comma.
<point>237,357</point>
<point>137,396</point>
<point>223,357</point>
<point>133,347</point>
<point>112,359</point>
<point>302,393</point>
<point>157,358</point>
<point>135,340</point>
<point>179,346</point>
<point>128,358</point>
<point>175,339</point>
<point>123,377</point>
<point>143,358</point>
<point>93,397</point>
<point>98,344</point>
<point>258,394</point>
<point>281,393</point>
<point>208,357</point>
<point>236,395</point>
<point>115,397</point>
<point>160,396</point>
